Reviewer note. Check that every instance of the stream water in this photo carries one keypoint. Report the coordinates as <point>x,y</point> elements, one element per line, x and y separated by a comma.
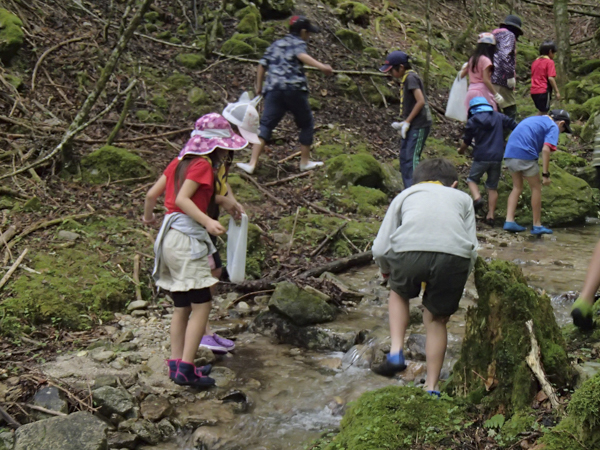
<point>298,394</point>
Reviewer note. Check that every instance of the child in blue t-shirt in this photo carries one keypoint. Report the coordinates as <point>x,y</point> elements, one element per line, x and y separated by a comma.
<point>532,136</point>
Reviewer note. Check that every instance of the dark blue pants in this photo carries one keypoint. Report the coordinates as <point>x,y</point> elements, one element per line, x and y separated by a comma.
<point>277,103</point>
<point>410,153</point>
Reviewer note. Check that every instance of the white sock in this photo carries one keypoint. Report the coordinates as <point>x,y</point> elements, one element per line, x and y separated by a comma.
<point>310,165</point>
<point>246,167</point>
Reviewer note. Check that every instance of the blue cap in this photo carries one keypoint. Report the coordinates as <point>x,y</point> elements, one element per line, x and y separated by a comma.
<point>479,104</point>
<point>395,58</point>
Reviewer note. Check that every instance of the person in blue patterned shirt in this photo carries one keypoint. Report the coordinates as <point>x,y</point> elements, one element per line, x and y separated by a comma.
<point>286,89</point>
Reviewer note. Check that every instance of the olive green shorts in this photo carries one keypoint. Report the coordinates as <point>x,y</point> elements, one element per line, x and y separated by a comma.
<point>445,276</point>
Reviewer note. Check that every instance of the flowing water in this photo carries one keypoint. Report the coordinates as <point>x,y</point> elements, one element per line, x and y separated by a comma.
<point>296,394</point>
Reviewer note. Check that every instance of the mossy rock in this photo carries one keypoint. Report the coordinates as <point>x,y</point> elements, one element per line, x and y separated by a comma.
<point>580,428</point>
<point>568,200</point>
<point>372,52</point>
<point>191,60</point>
<point>250,23</point>
<point>268,34</point>
<point>110,163</point>
<point>277,9</point>
<point>497,341</point>
<point>146,116</point>
<point>347,85</point>
<point>197,96</point>
<point>299,306</point>
<point>585,111</point>
<point>248,10</point>
<point>259,44</point>
<point>588,67</point>
<point>368,200</point>
<point>160,101</point>
<point>11,35</point>
<point>354,12</point>
<point>236,47</point>
<point>437,148</point>
<point>520,422</point>
<point>315,104</point>
<point>351,39</point>
<point>33,204</point>
<point>244,191</point>
<point>361,169</point>
<point>588,131</point>
<point>329,150</point>
<point>568,161</point>
<point>398,418</point>
<point>152,16</point>
<point>178,81</point>
<point>392,180</point>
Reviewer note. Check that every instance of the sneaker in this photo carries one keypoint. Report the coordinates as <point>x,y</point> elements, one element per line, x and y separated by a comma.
<point>391,366</point>
<point>173,363</point>
<point>310,165</point>
<point>227,343</point>
<point>210,343</point>
<point>435,394</point>
<point>478,204</point>
<point>538,231</point>
<point>246,167</point>
<point>186,375</point>
<point>581,312</point>
<point>513,226</point>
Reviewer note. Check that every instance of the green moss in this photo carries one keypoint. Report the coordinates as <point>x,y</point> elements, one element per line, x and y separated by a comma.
<point>178,81</point>
<point>526,55</point>
<point>329,151</point>
<point>191,60</point>
<point>33,204</point>
<point>250,23</point>
<point>151,16</point>
<point>351,39</point>
<point>160,101</point>
<point>497,342</point>
<point>315,104</point>
<point>588,109</point>
<point>377,91</point>
<point>268,34</point>
<point>197,96</point>
<point>397,418</point>
<point>372,52</point>
<point>347,85</point>
<point>244,191</point>
<point>362,233</point>
<point>174,40</point>
<point>566,160</point>
<point>13,80</point>
<point>368,200</point>
<point>149,117</point>
<point>588,66</point>
<point>361,170</point>
<point>588,132</point>
<point>236,47</point>
<point>437,148</point>
<point>521,422</point>
<point>251,9</point>
<point>113,163</point>
<point>11,35</point>
<point>259,44</point>
<point>354,12</point>
<point>166,35</point>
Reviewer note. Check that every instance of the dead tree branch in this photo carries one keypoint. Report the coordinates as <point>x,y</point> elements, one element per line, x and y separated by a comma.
<point>46,53</point>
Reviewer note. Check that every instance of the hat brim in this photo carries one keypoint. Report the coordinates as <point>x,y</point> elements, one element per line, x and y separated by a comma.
<point>568,128</point>
<point>516,27</point>
<point>200,146</point>
<point>313,29</point>
<point>249,136</point>
<point>385,68</point>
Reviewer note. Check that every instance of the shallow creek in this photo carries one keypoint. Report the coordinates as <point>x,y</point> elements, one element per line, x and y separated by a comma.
<point>295,395</point>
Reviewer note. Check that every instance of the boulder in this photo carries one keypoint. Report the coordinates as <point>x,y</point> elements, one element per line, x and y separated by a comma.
<point>11,35</point>
<point>137,304</point>
<point>66,235</point>
<point>144,429</point>
<point>354,12</point>
<point>250,23</point>
<point>120,439</point>
<point>51,398</point>
<point>7,440</point>
<point>300,306</point>
<point>236,47</point>
<point>568,200</point>
<point>113,163</point>
<point>347,85</point>
<point>497,341</point>
<point>77,431</point>
<point>361,169</point>
<point>351,39</point>
<point>191,60</point>
<point>155,407</point>
<point>114,401</point>
<point>330,338</point>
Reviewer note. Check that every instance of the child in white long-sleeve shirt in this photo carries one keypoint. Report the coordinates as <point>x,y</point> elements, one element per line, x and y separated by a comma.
<point>428,236</point>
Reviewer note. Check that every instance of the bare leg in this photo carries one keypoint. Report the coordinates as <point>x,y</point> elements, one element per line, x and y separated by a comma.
<point>213,290</point>
<point>179,324</point>
<point>435,347</point>
<point>257,149</point>
<point>399,319</point>
<point>195,330</point>
<point>513,198</point>
<point>536,199</point>
<point>492,201</point>
<point>592,277</point>
<point>304,154</point>
<point>474,190</point>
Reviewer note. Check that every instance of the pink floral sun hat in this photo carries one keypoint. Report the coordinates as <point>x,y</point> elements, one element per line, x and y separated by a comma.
<point>212,131</point>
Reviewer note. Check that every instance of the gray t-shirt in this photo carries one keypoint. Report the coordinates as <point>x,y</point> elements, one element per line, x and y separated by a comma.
<point>411,83</point>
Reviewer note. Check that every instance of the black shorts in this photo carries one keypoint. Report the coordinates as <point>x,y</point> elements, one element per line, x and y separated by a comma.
<point>195,296</point>
<point>542,101</point>
<point>445,275</point>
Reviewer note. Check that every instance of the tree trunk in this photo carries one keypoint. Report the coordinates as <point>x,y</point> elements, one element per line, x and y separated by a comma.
<point>561,24</point>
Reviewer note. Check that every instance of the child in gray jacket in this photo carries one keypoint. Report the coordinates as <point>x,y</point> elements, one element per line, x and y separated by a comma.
<point>428,236</point>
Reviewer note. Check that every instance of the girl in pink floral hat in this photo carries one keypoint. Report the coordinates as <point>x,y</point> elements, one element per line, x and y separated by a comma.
<point>183,248</point>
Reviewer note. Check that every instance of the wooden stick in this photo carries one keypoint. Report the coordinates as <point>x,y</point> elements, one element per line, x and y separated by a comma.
<point>289,247</point>
<point>237,300</point>
<point>46,53</point>
<point>328,238</point>
<point>9,419</point>
<point>136,277</point>
<point>247,177</point>
<point>42,409</point>
<point>340,265</point>
<point>12,268</point>
<point>287,158</point>
<point>12,193</point>
<point>380,93</point>
<point>325,210</point>
<point>8,234</point>
<point>534,363</point>
<point>350,242</point>
<point>285,180</point>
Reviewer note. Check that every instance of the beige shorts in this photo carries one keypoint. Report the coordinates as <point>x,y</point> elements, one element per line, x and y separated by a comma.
<point>528,167</point>
<point>177,272</point>
<point>507,94</point>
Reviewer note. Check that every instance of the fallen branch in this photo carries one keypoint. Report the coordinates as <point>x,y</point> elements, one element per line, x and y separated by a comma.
<point>12,193</point>
<point>8,234</point>
<point>534,363</point>
<point>42,409</point>
<point>247,177</point>
<point>287,158</point>
<point>136,277</point>
<point>9,419</point>
<point>340,265</point>
<point>285,180</point>
<point>325,210</point>
<point>140,138</point>
<point>12,268</point>
<point>571,10</point>
<point>46,53</point>
<point>380,93</point>
<point>328,238</point>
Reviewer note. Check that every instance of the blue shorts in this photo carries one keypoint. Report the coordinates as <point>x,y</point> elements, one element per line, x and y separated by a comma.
<point>277,103</point>
<point>493,170</point>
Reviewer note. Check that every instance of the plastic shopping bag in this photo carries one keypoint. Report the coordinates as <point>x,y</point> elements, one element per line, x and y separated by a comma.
<point>237,242</point>
<point>456,108</point>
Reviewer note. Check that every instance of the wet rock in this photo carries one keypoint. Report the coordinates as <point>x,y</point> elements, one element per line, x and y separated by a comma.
<point>208,412</point>
<point>7,440</point>
<point>223,376</point>
<point>114,401</point>
<point>137,304</point>
<point>146,430</point>
<point>415,345</point>
<point>68,235</point>
<point>208,437</point>
<point>104,356</point>
<point>330,363</point>
<point>337,406</point>
<point>586,371</point>
<point>166,428</point>
<point>204,356</point>
<point>120,439</point>
<point>301,307</point>
<point>106,380</point>
<point>155,408</point>
<point>314,338</point>
<point>415,371</point>
<point>416,315</point>
<point>50,398</point>
<point>240,401</point>
<point>77,431</point>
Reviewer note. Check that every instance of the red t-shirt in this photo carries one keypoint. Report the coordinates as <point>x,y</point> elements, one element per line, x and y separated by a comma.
<point>541,69</point>
<point>200,171</point>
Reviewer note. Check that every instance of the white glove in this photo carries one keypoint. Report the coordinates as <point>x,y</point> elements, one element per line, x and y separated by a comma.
<point>499,99</point>
<point>402,127</point>
<point>511,83</point>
